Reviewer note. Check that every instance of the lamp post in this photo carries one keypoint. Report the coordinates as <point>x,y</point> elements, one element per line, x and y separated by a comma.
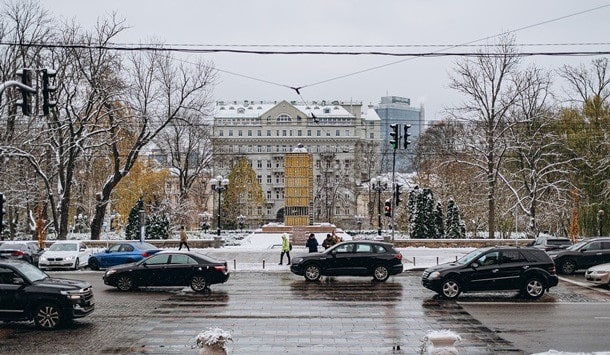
<point>600,218</point>
<point>359,220</point>
<point>219,184</point>
<point>379,184</point>
<point>240,221</point>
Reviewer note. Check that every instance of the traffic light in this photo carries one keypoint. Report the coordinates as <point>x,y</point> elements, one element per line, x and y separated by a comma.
<point>397,193</point>
<point>1,213</point>
<point>388,208</point>
<point>48,90</point>
<point>25,102</point>
<point>394,135</point>
<point>406,141</point>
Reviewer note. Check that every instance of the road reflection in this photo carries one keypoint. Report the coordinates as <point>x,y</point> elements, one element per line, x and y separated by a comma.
<point>347,290</point>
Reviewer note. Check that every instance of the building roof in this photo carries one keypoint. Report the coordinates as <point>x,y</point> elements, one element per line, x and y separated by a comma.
<point>255,109</point>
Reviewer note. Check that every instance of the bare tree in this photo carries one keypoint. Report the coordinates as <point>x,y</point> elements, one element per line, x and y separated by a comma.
<point>158,94</point>
<point>490,89</point>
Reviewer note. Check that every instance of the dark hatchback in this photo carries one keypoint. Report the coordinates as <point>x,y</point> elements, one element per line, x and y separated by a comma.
<point>28,293</point>
<point>169,268</point>
<point>529,270</point>
<point>354,258</point>
<point>582,255</point>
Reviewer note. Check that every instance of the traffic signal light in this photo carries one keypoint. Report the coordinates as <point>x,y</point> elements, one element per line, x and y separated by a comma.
<point>25,102</point>
<point>48,90</point>
<point>397,193</point>
<point>1,213</point>
<point>406,141</point>
<point>394,135</point>
<point>388,208</point>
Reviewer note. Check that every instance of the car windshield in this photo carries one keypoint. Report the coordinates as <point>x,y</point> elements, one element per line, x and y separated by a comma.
<point>31,272</point>
<point>577,246</point>
<point>468,258</point>
<point>63,247</point>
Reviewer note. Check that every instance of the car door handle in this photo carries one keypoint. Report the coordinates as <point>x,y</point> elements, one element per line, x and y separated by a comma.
<point>598,253</point>
<point>495,270</point>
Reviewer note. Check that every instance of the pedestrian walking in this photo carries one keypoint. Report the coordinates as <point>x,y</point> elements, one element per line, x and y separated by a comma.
<point>336,238</point>
<point>328,242</point>
<point>183,239</point>
<point>312,243</point>
<point>285,248</point>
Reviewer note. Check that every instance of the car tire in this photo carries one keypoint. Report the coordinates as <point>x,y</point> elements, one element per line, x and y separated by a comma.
<point>76,264</point>
<point>124,283</point>
<point>312,272</point>
<point>199,283</point>
<point>381,273</point>
<point>567,267</point>
<point>93,264</point>
<point>533,288</point>
<point>48,316</point>
<point>450,289</point>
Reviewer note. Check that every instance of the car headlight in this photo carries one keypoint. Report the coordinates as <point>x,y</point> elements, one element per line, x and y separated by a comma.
<point>110,272</point>
<point>73,295</point>
<point>434,275</point>
<point>43,258</point>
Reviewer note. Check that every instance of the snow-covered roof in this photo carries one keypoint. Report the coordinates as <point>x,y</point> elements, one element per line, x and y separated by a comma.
<point>255,109</point>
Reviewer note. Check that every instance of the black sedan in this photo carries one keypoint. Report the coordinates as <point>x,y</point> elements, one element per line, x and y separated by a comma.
<point>354,258</point>
<point>169,268</point>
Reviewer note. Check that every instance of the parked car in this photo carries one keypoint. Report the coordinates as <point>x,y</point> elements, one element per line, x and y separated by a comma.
<point>582,255</point>
<point>65,254</point>
<point>21,250</point>
<point>529,270</point>
<point>548,244</point>
<point>122,253</point>
<point>599,274</point>
<point>353,258</point>
<point>27,293</point>
<point>169,268</point>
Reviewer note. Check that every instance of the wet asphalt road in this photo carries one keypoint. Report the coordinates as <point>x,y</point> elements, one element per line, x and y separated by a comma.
<point>280,313</point>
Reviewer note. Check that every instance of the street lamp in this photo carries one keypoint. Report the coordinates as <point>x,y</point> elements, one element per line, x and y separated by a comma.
<point>240,221</point>
<point>379,184</point>
<point>600,218</point>
<point>359,220</point>
<point>219,184</point>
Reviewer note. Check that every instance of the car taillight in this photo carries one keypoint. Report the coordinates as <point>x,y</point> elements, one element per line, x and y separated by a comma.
<point>145,254</point>
<point>220,268</point>
<point>17,253</point>
<point>398,256</point>
<point>552,270</point>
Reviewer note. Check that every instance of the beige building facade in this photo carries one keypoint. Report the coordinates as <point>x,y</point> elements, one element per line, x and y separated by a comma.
<point>342,137</point>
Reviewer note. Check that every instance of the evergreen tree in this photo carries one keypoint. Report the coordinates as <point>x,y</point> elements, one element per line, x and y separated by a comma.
<point>132,230</point>
<point>439,224</point>
<point>455,226</point>
<point>421,213</point>
<point>157,226</point>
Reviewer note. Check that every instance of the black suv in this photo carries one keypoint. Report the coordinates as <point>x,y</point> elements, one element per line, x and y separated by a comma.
<point>27,293</point>
<point>582,255</point>
<point>529,270</point>
<point>354,258</point>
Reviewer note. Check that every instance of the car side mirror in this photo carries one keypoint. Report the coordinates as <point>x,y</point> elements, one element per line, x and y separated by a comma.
<point>474,265</point>
<point>82,249</point>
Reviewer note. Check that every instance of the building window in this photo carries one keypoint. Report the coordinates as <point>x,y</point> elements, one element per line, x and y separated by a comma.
<point>259,148</point>
<point>249,133</point>
<point>347,132</point>
<point>283,118</point>
<point>371,135</point>
<point>259,164</point>
<point>230,133</point>
<point>268,133</point>
<point>319,133</point>
<point>268,195</point>
<point>268,149</point>
<point>269,180</point>
<point>240,133</point>
<point>309,133</point>
<point>249,149</point>
<point>283,133</point>
<point>221,133</point>
<point>269,164</point>
<point>259,178</point>
<point>337,133</point>
<point>259,133</point>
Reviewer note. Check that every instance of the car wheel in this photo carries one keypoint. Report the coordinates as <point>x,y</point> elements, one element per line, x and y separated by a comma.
<point>381,273</point>
<point>312,272</point>
<point>124,283</point>
<point>534,288</point>
<point>76,264</point>
<point>198,283</point>
<point>450,289</point>
<point>48,316</point>
<point>94,264</point>
<point>567,267</point>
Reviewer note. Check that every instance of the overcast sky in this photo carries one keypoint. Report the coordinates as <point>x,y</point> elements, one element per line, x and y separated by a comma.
<point>344,22</point>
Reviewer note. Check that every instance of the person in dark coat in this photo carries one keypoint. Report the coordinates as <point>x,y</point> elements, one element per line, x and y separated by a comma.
<point>312,243</point>
<point>328,242</point>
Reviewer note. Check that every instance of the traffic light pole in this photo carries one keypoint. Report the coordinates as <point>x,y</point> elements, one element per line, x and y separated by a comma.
<point>393,190</point>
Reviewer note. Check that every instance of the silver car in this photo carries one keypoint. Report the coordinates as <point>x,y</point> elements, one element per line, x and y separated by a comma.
<point>599,274</point>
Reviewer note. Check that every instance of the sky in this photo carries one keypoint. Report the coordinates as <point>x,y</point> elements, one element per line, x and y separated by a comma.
<point>363,78</point>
